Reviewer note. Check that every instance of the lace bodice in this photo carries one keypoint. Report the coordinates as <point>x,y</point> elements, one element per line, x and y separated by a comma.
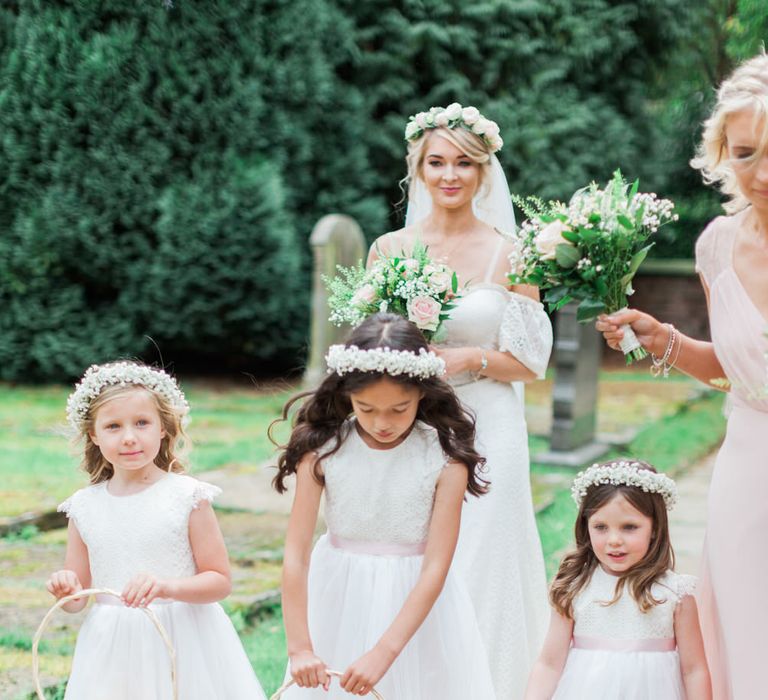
<point>145,532</point>
<point>383,495</point>
<point>624,619</point>
<point>492,317</point>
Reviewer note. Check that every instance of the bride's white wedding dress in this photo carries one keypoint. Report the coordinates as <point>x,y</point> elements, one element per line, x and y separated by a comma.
<point>499,551</point>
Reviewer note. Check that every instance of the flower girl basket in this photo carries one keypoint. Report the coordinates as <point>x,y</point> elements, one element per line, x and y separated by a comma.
<point>279,692</point>
<point>83,594</point>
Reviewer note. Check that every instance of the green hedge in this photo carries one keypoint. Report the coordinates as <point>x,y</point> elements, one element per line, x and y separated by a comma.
<point>160,170</point>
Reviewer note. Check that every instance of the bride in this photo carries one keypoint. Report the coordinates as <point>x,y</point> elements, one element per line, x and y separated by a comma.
<point>498,337</point>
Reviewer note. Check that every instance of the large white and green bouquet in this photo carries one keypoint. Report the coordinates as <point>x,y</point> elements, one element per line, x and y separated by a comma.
<point>589,249</point>
<point>413,286</point>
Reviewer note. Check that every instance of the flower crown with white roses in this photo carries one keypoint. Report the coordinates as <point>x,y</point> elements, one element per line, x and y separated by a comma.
<point>624,474</point>
<point>455,116</point>
<point>343,359</point>
<point>97,377</point>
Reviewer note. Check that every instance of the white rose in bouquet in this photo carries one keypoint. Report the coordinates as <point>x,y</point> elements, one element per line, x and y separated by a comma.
<point>440,281</point>
<point>549,238</point>
<point>411,267</point>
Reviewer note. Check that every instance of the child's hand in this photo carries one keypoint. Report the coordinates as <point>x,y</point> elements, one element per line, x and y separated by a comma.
<point>63,583</point>
<point>142,589</point>
<point>308,670</point>
<point>366,672</point>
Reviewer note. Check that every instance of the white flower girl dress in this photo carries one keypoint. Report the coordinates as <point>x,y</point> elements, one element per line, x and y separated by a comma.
<point>620,652</point>
<point>119,654</point>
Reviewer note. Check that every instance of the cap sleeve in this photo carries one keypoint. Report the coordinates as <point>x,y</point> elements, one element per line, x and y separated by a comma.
<point>65,507</point>
<point>526,333</point>
<point>683,585</point>
<point>203,491</point>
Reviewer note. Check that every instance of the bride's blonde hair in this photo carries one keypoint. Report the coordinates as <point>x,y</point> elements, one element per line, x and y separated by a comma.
<point>746,88</point>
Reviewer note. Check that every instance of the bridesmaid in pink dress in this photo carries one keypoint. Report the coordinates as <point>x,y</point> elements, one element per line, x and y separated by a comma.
<point>732,259</point>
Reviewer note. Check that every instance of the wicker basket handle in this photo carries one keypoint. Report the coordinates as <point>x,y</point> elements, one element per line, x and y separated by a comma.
<point>83,594</point>
<point>279,692</point>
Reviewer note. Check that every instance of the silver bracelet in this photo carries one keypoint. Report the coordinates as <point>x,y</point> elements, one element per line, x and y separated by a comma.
<point>483,365</point>
<point>661,365</point>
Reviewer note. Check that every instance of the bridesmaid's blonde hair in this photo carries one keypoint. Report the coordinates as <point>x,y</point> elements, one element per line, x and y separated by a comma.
<point>746,88</point>
<point>577,566</point>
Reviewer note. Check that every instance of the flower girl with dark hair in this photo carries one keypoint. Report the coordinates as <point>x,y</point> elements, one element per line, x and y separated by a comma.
<point>624,624</point>
<point>387,441</point>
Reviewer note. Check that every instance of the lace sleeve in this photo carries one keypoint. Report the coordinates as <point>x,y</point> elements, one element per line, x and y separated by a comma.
<point>685,586</point>
<point>526,333</point>
<point>204,491</point>
<point>65,507</point>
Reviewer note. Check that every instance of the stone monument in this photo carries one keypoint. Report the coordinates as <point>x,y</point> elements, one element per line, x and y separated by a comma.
<point>336,240</point>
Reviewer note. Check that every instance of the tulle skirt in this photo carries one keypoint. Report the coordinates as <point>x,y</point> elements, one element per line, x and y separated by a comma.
<point>120,655</point>
<point>354,598</point>
<point>621,675</point>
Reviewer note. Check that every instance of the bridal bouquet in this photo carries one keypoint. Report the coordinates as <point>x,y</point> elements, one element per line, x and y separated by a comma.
<point>412,286</point>
<point>590,249</point>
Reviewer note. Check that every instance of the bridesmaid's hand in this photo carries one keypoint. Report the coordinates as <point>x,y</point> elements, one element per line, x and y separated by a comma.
<point>308,670</point>
<point>652,334</point>
<point>458,360</point>
<point>366,672</point>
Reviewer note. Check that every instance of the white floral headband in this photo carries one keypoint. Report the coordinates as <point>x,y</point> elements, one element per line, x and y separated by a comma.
<point>624,474</point>
<point>451,117</point>
<point>97,377</point>
<point>343,359</point>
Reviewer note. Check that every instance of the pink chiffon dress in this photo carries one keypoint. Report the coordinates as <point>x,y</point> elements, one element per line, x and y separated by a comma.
<point>732,592</point>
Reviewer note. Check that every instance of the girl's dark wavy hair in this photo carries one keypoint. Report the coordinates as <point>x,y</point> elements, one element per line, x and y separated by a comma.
<point>323,412</point>
<point>577,566</point>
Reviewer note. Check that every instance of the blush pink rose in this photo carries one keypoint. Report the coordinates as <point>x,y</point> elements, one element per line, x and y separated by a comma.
<point>365,295</point>
<point>424,312</point>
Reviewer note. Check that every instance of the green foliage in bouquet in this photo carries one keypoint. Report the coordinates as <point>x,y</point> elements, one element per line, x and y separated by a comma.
<point>590,249</point>
<point>411,286</point>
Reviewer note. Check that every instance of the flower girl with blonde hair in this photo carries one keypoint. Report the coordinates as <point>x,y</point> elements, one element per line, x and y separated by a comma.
<point>624,624</point>
<point>147,530</point>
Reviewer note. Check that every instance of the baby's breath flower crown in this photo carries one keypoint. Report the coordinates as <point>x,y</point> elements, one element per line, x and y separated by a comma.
<point>344,359</point>
<point>97,377</point>
<point>624,474</point>
<point>455,116</point>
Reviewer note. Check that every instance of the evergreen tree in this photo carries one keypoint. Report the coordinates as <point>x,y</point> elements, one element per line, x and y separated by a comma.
<point>160,171</point>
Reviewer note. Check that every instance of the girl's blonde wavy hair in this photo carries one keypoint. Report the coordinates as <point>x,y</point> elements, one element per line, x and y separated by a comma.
<point>746,88</point>
<point>173,447</point>
<point>469,143</point>
<point>577,567</point>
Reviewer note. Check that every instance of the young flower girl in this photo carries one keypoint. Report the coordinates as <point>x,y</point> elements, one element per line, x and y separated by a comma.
<point>624,625</point>
<point>388,442</point>
<point>145,529</point>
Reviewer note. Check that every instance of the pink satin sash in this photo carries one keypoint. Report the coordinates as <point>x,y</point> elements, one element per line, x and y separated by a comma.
<point>104,599</point>
<point>605,644</point>
<point>382,549</point>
